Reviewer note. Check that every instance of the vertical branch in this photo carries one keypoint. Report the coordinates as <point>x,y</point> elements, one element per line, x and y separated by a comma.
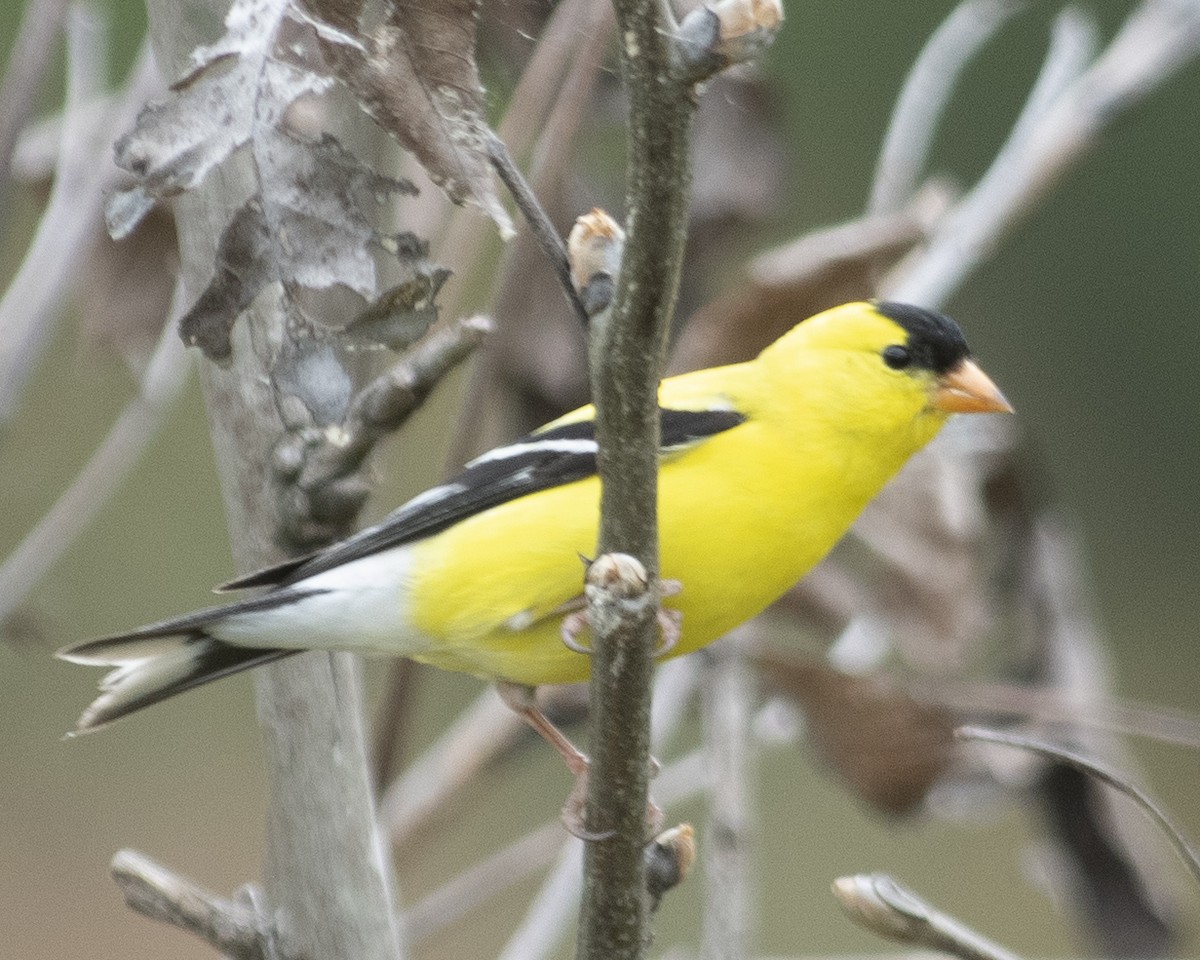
<point>22,81</point>
<point>661,66</point>
<point>626,351</point>
<point>728,909</point>
<point>327,878</point>
<point>327,870</point>
<point>326,873</point>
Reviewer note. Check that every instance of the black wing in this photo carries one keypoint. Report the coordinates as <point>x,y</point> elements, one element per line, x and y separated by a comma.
<point>548,458</point>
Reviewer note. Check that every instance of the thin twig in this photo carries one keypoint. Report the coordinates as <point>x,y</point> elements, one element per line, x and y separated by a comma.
<point>926,92</point>
<point>681,779</point>
<point>543,230</point>
<point>729,881</point>
<point>1104,774</point>
<point>71,221</point>
<point>625,358</point>
<point>571,28</point>
<point>660,71</point>
<point>883,906</point>
<point>27,64</point>
<point>1155,41</point>
<point>549,156</point>
<point>117,454</point>
<point>156,892</point>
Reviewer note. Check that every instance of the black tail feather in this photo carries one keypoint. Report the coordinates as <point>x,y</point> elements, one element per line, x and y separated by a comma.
<point>138,645</point>
<point>197,660</point>
<point>160,660</point>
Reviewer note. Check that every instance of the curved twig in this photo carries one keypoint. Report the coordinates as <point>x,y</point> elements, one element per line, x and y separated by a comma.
<point>924,96</point>
<point>883,906</point>
<point>1104,774</point>
<point>71,220</point>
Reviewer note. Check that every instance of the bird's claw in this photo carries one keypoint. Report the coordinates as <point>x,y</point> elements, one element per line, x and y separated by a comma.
<point>670,624</point>
<point>574,811</point>
<point>572,627</point>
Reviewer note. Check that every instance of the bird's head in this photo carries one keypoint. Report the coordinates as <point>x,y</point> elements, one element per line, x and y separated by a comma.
<point>884,367</point>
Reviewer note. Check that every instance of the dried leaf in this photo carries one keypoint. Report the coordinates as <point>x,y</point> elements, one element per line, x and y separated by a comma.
<point>306,229</point>
<point>889,748</point>
<point>235,87</point>
<point>401,315</point>
<point>243,267</point>
<point>309,226</point>
<point>415,75</point>
<point>315,196</point>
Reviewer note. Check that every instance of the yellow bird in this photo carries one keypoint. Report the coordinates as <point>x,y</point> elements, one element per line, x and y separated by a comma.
<point>764,465</point>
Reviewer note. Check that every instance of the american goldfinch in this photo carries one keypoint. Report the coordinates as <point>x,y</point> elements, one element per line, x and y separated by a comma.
<point>763,467</point>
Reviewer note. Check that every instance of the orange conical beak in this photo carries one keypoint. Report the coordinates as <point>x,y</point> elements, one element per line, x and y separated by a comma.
<point>967,389</point>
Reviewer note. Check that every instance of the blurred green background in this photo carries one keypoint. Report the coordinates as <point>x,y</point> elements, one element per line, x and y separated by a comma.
<point>1087,317</point>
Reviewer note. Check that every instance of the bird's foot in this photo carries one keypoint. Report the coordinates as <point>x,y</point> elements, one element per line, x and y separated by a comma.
<point>670,624</point>
<point>521,700</point>
<point>574,811</point>
<point>573,625</point>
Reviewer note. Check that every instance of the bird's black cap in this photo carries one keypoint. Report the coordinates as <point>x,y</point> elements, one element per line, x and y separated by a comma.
<point>934,340</point>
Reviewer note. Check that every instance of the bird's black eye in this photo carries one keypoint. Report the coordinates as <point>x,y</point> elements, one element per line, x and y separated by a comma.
<point>896,356</point>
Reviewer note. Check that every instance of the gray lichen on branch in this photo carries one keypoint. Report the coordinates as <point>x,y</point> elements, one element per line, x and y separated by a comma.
<point>318,467</point>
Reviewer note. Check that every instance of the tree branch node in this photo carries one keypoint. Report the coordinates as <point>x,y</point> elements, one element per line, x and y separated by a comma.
<point>241,931</point>
<point>714,38</point>
<point>594,250</point>
<point>670,857</point>
<point>883,906</point>
<point>319,467</point>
